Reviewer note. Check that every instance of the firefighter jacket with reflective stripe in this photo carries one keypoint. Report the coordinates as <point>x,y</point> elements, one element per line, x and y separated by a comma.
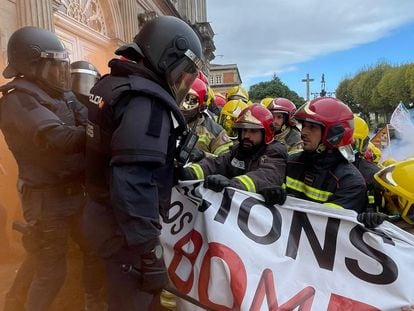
<point>326,178</point>
<point>368,170</point>
<point>291,138</point>
<point>252,172</point>
<point>212,138</point>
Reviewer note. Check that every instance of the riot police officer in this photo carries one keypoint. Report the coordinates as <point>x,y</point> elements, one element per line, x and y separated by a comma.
<point>83,75</point>
<point>47,139</point>
<point>132,130</point>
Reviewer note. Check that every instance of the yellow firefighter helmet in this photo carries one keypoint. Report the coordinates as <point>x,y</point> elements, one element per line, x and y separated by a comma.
<point>372,153</point>
<point>237,92</point>
<point>265,102</point>
<point>361,131</point>
<point>229,113</point>
<point>210,96</point>
<point>388,162</point>
<point>398,181</point>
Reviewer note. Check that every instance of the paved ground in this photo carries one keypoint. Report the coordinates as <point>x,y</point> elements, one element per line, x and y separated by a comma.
<point>70,297</point>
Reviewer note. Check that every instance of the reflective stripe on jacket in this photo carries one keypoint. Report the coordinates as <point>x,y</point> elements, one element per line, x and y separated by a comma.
<point>263,169</point>
<point>326,178</point>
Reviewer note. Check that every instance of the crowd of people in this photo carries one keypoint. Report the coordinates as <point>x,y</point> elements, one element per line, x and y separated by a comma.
<point>98,157</point>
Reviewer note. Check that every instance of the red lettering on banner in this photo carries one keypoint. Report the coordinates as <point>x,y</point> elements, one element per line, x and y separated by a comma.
<point>185,286</point>
<point>265,287</point>
<point>238,276</point>
<point>340,303</point>
<point>303,299</point>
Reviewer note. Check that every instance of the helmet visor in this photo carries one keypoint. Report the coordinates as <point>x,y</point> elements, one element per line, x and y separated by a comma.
<point>190,102</point>
<point>83,80</point>
<point>189,107</point>
<point>238,97</point>
<point>181,77</point>
<point>55,73</point>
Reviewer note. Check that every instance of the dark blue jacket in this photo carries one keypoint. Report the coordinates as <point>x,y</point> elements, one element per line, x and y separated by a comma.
<point>326,178</point>
<point>46,135</point>
<point>131,139</point>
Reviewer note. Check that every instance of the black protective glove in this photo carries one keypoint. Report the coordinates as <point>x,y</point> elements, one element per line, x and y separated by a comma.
<point>184,173</point>
<point>372,220</point>
<point>217,182</point>
<point>196,155</point>
<point>274,195</point>
<point>150,272</point>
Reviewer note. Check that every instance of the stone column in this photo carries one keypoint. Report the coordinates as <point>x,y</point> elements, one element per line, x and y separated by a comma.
<point>129,11</point>
<point>38,13</point>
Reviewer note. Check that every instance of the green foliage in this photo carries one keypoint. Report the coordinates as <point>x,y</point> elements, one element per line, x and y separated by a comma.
<point>273,88</point>
<point>378,89</point>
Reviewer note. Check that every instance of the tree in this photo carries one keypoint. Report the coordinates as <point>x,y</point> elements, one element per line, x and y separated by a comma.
<point>364,85</point>
<point>393,88</point>
<point>344,93</point>
<point>273,88</point>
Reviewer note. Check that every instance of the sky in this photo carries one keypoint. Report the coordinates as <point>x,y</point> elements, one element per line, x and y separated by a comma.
<point>292,38</point>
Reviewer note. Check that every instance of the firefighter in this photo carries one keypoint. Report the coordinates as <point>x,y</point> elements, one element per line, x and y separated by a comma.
<point>322,172</point>
<point>219,100</point>
<point>212,109</point>
<point>238,92</point>
<point>397,181</point>
<point>285,124</point>
<point>229,114</point>
<point>256,164</point>
<point>373,154</point>
<point>366,168</point>
<point>132,133</point>
<point>212,138</point>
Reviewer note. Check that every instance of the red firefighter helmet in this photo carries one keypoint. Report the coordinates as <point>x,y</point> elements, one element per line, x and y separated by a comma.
<point>284,105</point>
<point>219,100</point>
<point>200,88</point>
<point>256,117</point>
<point>334,116</point>
<point>202,77</point>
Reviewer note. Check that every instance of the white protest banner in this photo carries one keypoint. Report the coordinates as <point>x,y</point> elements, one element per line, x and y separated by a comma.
<point>401,120</point>
<point>231,252</point>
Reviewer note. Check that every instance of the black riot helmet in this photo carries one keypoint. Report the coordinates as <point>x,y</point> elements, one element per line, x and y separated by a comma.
<point>84,75</point>
<point>171,48</point>
<point>38,55</point>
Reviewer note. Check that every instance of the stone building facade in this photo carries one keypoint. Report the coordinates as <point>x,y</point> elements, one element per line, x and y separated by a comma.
<point>224,77</point>
<point>92,29</point>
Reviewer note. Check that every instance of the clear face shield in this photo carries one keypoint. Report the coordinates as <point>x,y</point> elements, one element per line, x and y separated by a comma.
<point>83,80</point>
<point>54,70</point>
<point>181,77</point>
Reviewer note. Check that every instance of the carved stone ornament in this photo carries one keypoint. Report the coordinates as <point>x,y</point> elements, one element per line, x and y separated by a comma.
<point>88,12</point>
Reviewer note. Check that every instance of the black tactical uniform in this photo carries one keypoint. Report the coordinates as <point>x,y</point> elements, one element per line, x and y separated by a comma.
<point>46,134</point>
<point>133,125</point>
